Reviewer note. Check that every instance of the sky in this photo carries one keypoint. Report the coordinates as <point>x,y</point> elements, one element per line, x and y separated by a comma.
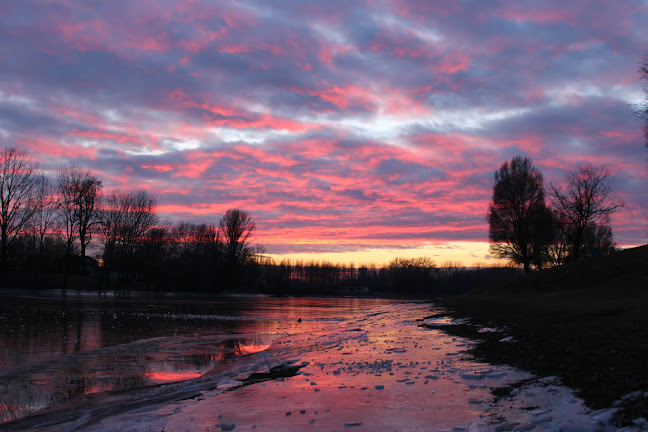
<point>351,131</point>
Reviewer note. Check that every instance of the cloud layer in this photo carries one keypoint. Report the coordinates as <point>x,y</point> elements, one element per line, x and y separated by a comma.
<point>340,126</point>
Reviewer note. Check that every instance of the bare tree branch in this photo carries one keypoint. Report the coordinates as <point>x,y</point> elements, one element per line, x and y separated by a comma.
<point>586,200</point>
<point>641,109</point>
<point>236,227</point>
<point>17,182</point>
<point>79,193</point>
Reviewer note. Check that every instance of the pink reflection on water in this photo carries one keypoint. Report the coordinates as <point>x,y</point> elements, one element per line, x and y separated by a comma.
<point>379,373</point>
<point>253,348</point>
<point>168,376</point>
<point>84,345</point>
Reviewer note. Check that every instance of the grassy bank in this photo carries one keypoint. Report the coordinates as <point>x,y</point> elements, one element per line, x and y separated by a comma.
<point>586,323</point>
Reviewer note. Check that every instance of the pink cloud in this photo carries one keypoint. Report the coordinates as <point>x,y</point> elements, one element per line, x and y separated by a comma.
<point>146,95</point>
<point>107,136</point>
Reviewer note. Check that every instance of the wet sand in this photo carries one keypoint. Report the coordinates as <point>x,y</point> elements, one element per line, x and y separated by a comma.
<point>382,371</point>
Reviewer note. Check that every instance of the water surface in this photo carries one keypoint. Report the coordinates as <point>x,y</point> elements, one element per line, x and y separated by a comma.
<point>55,347</point>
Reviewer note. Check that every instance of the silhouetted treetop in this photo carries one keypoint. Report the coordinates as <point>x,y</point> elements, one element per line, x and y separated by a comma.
<point>586,201</point>
<point>235,228</point>
<point>642,107</point>
<point>518,219</point>
<point>18,180</point>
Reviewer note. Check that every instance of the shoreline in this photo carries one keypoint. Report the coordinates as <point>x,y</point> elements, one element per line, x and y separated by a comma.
<point>584,323</point>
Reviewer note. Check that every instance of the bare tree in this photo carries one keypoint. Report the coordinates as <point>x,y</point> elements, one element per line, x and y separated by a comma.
<point>79,193</point>
<point>597,240</point>
<point>412,275</point>
<point>206,240</point>
<point>181,240</point>
<point>423,263</point>
<point>17,182</point>
<point>518,219</point>
<point>124,220</point>
<point>235,228</point>
<point>67,209</point>
<point>586,200</point>
<point>641,110</point>
<point>558,249</point>
<point>111,220</point>
<point>45,207</point>
<point>138,208</point>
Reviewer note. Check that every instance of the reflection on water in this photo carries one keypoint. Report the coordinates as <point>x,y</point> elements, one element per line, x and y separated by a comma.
<point>163,360</point>
<point>54,348</point>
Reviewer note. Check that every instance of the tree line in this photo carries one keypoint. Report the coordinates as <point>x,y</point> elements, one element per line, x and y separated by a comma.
<point>47,226</point>
<point>535,226</point>
<point>402,277</point>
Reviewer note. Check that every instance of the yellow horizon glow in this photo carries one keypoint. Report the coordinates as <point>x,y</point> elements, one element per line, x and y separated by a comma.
<point>465,253</point>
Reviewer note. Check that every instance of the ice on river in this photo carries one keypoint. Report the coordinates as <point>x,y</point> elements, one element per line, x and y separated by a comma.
<point>378,372</point>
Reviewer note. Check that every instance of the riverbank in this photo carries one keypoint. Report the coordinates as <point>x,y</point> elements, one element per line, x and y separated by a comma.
<point>585,323</point>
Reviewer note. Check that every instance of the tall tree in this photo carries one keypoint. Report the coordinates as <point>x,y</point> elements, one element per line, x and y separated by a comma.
<point>235,228</point>
<point>45,207</point>
<point>558,249</point>
<point>67,211</point>
<point>597,240</point>
<point>517,215</point>
<point>586,200</point>
<point>17,182</point>
<point>124,220</point>
<point>642,107</point>
<point>110,223</point>
<point>138,216</point>
<point>79,193</point>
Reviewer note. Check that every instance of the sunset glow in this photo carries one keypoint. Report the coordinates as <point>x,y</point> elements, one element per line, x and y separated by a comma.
<point>350,131</point>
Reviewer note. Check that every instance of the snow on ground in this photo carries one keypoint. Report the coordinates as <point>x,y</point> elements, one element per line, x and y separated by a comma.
<point>380,372</point>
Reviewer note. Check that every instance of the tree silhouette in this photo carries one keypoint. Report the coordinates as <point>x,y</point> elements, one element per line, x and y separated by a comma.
<point>586,201</point>
<point>43,224</point>
<point>235,228</point>
<point>558,249</point>
<point>17,183</point>
<point>642,107</point>
<point>124,220</point>
<point>519,221</point>
<point>79,194</point>
<point>597,240</point>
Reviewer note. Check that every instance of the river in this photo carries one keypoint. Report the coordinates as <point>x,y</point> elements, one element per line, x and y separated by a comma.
<point>146,362</point>
<point>56,346</point>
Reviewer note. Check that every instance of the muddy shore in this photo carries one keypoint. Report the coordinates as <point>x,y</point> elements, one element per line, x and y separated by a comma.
<point>585,323</point>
